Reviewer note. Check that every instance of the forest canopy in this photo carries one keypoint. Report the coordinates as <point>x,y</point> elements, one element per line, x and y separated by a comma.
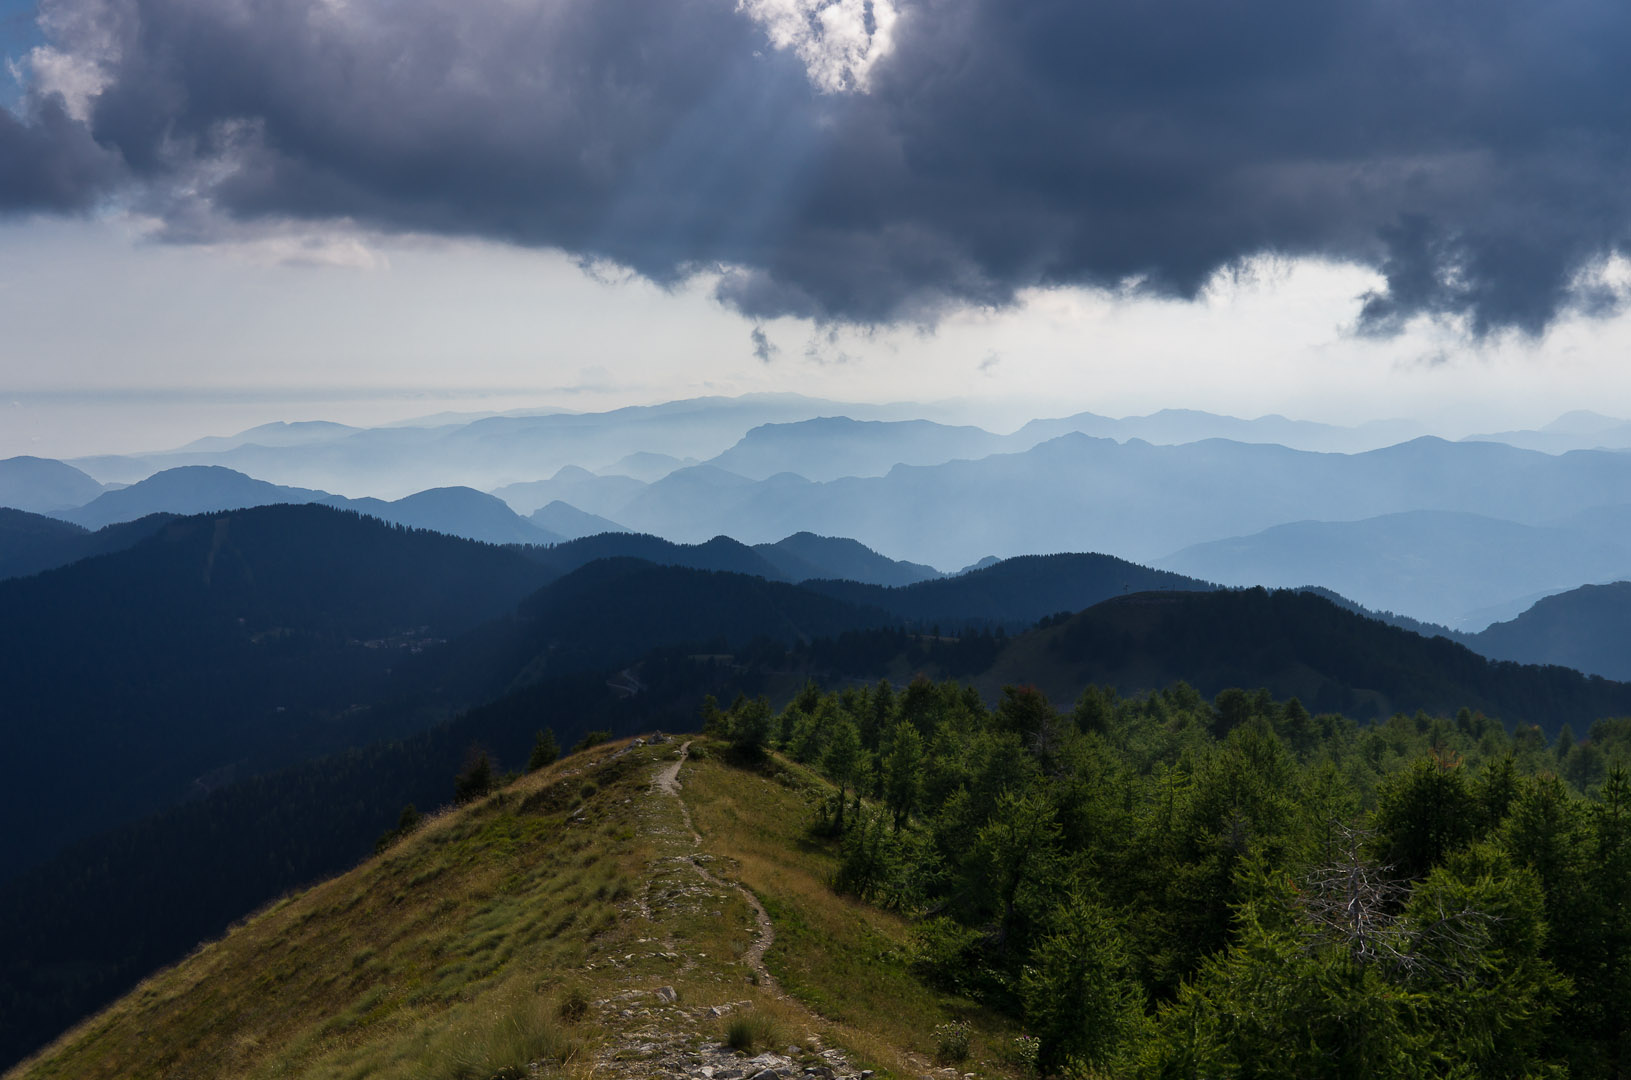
<point>1170,886</point>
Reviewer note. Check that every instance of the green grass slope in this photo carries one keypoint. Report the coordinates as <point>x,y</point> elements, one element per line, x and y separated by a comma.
<point>583,921</point>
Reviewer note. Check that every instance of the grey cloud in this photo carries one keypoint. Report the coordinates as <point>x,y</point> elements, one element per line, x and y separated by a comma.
<point>48,161</point>
<point>1475,154</point>
<point>763,347</point>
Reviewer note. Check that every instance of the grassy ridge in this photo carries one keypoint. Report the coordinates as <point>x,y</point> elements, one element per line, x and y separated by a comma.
<point>520,928</point>
<point>433,959</point>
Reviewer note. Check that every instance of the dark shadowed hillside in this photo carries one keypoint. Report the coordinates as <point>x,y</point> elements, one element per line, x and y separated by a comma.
<point>219,645</point>
<point>30,543</point>
<point>1588,629</point>
<point>720,553</point>
<point>1014,592</point>
<point>1295,644</point>
<point>614,610</point>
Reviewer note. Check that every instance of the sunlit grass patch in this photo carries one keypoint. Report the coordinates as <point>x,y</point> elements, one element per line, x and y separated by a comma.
<point>844,959</point>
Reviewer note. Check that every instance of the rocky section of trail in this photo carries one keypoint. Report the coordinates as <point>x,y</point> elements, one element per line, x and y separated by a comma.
<point>654,1034</point>
<point>662,1039</point>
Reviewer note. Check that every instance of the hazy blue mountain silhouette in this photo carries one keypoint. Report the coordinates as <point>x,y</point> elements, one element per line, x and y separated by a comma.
<point>495,451</point>
<point>1178,426</point>
<point>569,523</point>
<point>1578,430</point>
<point>41,485</point>
<point>592,493</point>
<point>277,433</point>
<point>646,466</point>
<point>191,489</point>
<point>805,555</point>
<point>1435,565</point>
<point>1134,500</point>
<point>201,489</point>
<point>831,447</point>
<point>456,511</point>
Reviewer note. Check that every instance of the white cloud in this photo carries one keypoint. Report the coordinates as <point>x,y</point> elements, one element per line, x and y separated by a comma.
<point>839,41</point>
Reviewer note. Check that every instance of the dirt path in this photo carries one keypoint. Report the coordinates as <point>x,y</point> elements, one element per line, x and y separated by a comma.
<point>667,782</point>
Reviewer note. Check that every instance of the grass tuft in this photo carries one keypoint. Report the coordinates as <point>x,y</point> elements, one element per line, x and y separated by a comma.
<point>748,1031</point>
<point>574,1004</point>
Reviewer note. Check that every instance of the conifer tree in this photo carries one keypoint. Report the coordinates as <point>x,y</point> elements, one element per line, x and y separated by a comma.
<point>544,750</point>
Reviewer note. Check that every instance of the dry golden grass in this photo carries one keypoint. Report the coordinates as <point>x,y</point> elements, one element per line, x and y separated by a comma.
<point>439,958</point>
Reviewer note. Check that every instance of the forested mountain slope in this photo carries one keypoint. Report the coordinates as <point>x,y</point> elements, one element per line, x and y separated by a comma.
<point>1587,628</point>
<point>219,645</point>
<point>1014,592</point>
<point>1296,643</point>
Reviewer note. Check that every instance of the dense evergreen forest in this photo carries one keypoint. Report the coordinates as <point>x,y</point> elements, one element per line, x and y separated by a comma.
<point>1171,886</point>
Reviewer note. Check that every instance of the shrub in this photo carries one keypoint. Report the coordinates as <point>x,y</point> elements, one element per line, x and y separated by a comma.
<point>946,954</point>
<point>475,779</point>
<point>951,1042</point>
<point>591,738</point>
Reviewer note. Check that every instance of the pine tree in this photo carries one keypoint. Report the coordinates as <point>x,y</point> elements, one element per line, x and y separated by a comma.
<point>843,760</point>
<point>544,750</point>
<point>903,771</point>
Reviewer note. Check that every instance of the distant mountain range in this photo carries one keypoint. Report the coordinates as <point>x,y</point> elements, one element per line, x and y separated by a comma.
<point>1134,500</point>
<point>832,447</point>
<point>488,452</point>
<point>40,485</point>
<point>1439,566</point>
<point>1455,533</point>
<point>569,523</point>
<point>575,486</point>
<point>197,489</point>
<point>648,442</point>
<point>1580,430</point>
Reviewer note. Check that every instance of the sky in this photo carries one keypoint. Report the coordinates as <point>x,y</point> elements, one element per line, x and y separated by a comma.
<point>215,213</point>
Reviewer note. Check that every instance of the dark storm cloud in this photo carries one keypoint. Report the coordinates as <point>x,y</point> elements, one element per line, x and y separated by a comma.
<point>1476,154</point>
<point>48,162</point>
